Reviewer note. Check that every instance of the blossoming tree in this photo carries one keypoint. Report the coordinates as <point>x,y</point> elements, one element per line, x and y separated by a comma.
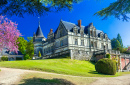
<point>8,34</point>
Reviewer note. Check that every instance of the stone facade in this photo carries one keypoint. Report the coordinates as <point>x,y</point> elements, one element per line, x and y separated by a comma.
<point>77,40</point>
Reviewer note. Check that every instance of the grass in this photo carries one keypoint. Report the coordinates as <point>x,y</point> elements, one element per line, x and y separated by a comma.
<point>61,66</point>
<point>52,79</point>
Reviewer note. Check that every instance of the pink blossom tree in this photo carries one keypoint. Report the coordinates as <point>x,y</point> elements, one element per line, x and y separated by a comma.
<point>8,34</point>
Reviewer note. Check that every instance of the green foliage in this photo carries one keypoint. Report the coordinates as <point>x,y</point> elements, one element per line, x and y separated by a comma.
<point>119,39</point>
<point>34,7</point>
<point>30,47</point>
<point>106,66</point>
<point>26,57</point>
<point>39,54</point>
<point>22,44</point>
<point>118,9</point>
<point>117,44</point>
<point>108,56</point>
<point>4,58</point>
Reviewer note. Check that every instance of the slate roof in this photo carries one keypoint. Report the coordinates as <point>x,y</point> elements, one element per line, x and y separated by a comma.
<point>69,26</point>
<point>39,32</point>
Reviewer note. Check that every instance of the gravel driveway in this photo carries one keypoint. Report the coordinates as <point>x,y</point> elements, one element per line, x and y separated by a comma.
<point>10,76</point>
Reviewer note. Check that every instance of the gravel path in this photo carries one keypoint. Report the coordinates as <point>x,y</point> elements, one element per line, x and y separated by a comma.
<point>10,76</point>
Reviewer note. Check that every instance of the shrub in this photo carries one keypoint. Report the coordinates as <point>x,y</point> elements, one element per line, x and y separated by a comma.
<point>108,56</point>
<point>4,58</point>
<point>106,66</point>
<point>26,56</point>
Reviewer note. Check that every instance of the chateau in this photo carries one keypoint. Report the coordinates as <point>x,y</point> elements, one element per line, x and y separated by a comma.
<point>70,37</point>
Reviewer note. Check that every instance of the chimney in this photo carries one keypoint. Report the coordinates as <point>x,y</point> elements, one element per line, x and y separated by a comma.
<point>79,23</point>
<point>51,30</point>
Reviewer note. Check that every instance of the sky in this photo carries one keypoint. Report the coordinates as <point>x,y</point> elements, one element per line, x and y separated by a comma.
<point>85,11</point>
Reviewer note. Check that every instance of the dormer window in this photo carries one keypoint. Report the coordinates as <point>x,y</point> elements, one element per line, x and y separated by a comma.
<point>82,33</point>
<point>75,30</point>
<point>91,33</point>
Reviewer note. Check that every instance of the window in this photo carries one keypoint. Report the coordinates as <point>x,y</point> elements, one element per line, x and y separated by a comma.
<point>82,42</point>
<point>95,45</point>
<point>106,46</point>
<point>102,46</point>
<point>91,43</point>
<point>90,33</point>
<point>76,32</point>
<point>61,43</point>
<point>82,33</point>
<point>101,37</point>
<point>76,41</point>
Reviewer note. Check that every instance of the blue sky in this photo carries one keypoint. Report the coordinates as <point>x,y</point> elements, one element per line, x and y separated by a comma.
<point>85,11</point>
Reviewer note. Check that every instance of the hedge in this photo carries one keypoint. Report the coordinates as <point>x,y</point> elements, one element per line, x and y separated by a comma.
<point>106,66</point>
<point>4,58</point>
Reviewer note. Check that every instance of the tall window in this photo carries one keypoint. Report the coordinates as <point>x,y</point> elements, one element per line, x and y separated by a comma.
<point>102,46</point>
<point>76,41</point>
<point>82,42</point>
<point>91,33</point>
<point>61,43</point>
<point>95,45</point>
<point>91,43</point>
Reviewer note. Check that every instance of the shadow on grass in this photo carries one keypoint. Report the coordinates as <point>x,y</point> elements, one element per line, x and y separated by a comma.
<point>92,62</point>
<point>40,81</point>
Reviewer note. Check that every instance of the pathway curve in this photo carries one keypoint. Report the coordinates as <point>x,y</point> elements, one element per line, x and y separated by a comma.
<point>10,76</point>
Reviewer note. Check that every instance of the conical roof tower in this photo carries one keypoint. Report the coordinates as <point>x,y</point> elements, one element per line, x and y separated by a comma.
<point>39,31</point>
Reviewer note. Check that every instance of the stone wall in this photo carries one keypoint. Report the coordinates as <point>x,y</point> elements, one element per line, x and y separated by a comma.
<point>80,55</point>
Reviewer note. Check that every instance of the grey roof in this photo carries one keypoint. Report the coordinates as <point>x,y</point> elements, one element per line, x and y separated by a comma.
<point>69,26</point>
<point>39,32</point>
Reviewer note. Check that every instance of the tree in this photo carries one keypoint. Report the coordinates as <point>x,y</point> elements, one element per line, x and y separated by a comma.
<point>30,47</point>
<point>39,54</point>
<point>34,7</point>
<point>119,39</point>
<point>117,44</point>
<point>8,34</point>
<point>113,41</point>
<point>22,44</point>
<point>119,9</point>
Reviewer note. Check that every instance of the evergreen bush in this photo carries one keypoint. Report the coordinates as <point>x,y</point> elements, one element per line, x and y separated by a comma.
<point>106,66</point>
<point>39,54</point>
<point>108,56</point>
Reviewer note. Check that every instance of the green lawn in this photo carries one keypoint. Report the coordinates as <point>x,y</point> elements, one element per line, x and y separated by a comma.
<point>61,66</point>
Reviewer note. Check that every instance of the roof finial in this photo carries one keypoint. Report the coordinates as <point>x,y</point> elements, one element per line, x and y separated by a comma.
<point>39,21</point>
